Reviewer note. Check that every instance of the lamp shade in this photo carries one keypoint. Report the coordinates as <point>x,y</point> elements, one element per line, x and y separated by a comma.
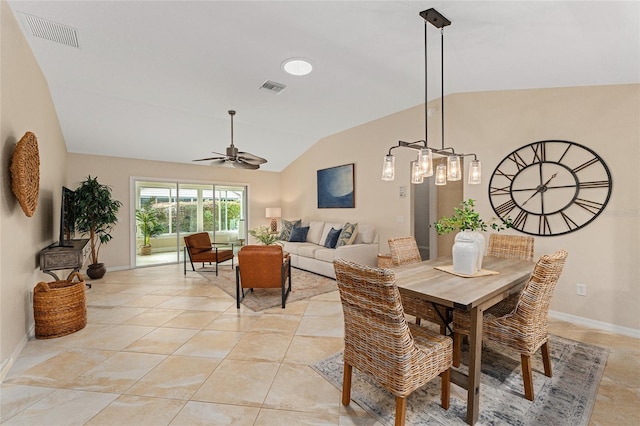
<point>441,175</point>
<point>388,167</point>
<point>273,212</point>
<point>416,173</point>
<point>475,173</point>
<point>454,168</point>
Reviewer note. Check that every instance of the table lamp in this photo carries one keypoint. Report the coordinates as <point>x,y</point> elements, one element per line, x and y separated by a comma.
<point>274,213</point>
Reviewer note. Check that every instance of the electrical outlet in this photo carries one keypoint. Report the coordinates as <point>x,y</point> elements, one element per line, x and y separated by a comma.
<point>581,289</point>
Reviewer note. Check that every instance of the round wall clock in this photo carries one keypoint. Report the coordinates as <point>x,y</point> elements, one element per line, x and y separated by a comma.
<point>550,187</point>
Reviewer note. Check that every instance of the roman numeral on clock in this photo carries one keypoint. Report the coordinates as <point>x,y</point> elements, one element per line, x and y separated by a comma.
<point>499,191</point>
<point>539,152</point>
<point>592,207</point>
<point>521,219</point>
<point>585,165</point>
<point>505,208</point>
<point>594,184</point>
<point>543,226</point>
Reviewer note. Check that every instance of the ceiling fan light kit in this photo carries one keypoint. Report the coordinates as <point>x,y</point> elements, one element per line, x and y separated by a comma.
<point>235,158</point>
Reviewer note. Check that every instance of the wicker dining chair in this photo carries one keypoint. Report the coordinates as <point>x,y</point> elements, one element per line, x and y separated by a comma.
<point>511,246</point>
<point>404,251</point>
<point>507,247</point>
<point>526,328</point>
<point>379,342</point>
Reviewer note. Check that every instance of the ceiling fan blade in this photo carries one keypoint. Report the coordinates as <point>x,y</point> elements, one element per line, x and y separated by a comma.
<point>219,162</point>
<point>244,165</point>
<point>247,156</point>
<point>210,158</point>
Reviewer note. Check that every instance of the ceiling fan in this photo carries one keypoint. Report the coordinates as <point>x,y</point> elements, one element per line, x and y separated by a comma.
<point>233,157</point>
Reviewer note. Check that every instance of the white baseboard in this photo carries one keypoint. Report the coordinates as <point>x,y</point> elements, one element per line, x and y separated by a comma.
<point>626,331</point>
<point>8,363</point>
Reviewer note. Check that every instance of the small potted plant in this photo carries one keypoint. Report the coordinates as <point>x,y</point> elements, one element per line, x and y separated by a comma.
<point>468,249</point>
<point>150,227</point>
<point>96,215</point>
<point>264,235</point>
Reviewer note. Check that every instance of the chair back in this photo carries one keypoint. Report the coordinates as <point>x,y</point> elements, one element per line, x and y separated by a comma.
<point>197,243</point>
<point>404,251</point>
<point>261,266</point>
<point>532,310</point>
<point>511,246</point>
<point>377,337</point>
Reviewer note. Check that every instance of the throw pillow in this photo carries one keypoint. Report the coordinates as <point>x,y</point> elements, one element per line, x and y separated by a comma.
<point>299,234</point>
<point>332,238</point>
<point>285,233</point>
<point>348,234</point>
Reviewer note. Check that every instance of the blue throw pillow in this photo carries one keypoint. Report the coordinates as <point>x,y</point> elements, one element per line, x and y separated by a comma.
<point>332,238</point>
<point>299,234</point>
<point>286,228</point>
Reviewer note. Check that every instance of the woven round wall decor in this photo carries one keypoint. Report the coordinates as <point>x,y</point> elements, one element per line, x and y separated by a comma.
<point>25,173</point>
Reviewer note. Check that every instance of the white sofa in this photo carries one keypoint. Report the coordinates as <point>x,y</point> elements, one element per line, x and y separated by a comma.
<point>314,257</point>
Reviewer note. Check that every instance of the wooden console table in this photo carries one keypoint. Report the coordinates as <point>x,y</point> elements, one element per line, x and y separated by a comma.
<point>73,256</point>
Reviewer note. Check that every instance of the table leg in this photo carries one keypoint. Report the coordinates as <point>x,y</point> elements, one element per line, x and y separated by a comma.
<point>475,355</point>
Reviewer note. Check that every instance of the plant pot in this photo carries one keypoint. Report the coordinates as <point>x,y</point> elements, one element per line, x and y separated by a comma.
<point>145,250</point>
<point>465,254</point>
<point>96,271</point>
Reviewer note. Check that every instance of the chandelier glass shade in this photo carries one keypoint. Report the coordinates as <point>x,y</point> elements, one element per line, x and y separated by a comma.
<point>423,167</point>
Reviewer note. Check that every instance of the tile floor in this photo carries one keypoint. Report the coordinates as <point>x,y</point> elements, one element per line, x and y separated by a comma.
<point>164,349</point>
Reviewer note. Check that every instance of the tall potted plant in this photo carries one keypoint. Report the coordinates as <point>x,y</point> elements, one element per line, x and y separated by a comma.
<point>96,215</point>
<point>150,227</point>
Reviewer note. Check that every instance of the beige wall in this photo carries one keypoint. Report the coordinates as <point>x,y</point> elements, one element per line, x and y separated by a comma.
<point>604,255</point>
<point>263,190</point>
<point>25,105</point>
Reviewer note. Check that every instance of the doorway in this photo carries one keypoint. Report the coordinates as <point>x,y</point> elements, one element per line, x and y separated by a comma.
<point>184,208</point>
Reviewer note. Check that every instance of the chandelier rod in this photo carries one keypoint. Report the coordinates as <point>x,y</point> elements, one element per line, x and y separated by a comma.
<point>426,97</point>
<point>442,83</point>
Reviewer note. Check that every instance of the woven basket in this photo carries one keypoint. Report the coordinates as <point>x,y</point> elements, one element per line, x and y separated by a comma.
<point>59,307</point>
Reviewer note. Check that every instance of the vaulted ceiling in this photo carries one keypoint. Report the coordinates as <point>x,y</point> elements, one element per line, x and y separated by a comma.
<point>155,79</point>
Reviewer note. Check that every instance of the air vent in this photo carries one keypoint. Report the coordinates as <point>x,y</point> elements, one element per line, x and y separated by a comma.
<point>273,87</point>
<point>50,30</point>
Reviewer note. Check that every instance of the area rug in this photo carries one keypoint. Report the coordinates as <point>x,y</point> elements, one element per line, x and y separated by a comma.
<point>567,398</point>
<point>303,286</point>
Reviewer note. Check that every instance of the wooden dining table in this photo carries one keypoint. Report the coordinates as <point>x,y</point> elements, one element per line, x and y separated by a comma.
<point>471,294</point>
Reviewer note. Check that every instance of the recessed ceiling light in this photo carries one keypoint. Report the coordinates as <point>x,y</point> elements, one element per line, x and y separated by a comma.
<point>297,66</point>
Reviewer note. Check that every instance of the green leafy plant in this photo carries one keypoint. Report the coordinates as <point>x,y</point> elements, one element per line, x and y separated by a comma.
<point>465,218</point>
<point>149,224</point>
<point>96,213</point>
<point>264,235</point>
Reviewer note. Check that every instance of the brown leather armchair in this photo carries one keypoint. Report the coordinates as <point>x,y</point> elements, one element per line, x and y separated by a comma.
<point>263,267</point>
<point>200,249</point>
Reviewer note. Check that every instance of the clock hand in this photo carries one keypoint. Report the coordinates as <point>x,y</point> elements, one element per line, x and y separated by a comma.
<point>541,188</point>
<point>550,179</point>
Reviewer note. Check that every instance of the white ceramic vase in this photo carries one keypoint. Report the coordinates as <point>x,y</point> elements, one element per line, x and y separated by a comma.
<point>478,237</point>
<point>465,253</point>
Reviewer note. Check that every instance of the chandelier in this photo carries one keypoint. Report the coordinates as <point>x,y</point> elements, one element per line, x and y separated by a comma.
<point>450,163</point>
